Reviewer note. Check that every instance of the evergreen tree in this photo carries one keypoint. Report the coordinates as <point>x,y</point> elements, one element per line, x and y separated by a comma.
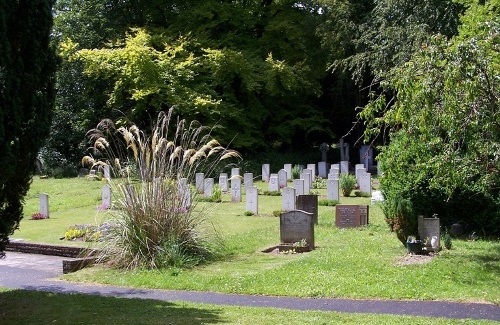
<point>27,69</point>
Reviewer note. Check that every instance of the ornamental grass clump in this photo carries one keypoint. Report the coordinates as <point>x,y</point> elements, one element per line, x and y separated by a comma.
<point>155,223</point>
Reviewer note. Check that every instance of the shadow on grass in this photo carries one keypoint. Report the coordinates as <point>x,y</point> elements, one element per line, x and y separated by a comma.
<point>36,307</point>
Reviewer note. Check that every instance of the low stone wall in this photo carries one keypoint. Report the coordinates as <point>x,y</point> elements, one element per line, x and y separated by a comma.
<point>55,250</point>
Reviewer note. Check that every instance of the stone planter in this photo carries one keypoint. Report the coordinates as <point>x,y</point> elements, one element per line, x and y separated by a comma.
<point>414,247</point>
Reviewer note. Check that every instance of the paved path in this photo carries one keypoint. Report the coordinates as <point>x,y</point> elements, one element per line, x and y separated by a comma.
<point>40,272</point>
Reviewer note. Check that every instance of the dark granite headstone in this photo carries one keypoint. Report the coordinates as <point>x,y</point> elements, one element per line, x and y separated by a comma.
<point>295,226</point>
<point>309,203</point>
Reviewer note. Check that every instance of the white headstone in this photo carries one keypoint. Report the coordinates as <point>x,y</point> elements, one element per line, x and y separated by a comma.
<point>366,156</point>
<point>273,183</point>
<point>335,166</point>
<point>322,169</point>
<point>365,182</point>
<point>298,185</point>
<point>310,178</point>
<point>334,174</point>
<point>235,172</point>
<point>306,176</point>
<point>208,186</point>
<point>223,182</point>
<point>288,199</point>
<point>288,168</point>
<point>106,196</point>
<point>332,189</point>
<point>200,178</point>
<point>44,204</point>
<point>107,173</point>
<point>248,180</point>
<point>377,196</point>
<point>252,199</point>
<point>266,172</point>
<point>344,167</point>
<point>184,193</point>
<point>282,178</point>
<point>312,168</point>
<point>236,190</point>
<point>358,169</point>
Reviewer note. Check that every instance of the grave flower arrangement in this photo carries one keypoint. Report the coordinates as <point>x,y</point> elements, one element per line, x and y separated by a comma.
<point>38,216</point>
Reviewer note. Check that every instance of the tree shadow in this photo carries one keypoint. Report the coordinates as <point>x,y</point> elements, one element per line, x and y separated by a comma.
<point>37,307</point>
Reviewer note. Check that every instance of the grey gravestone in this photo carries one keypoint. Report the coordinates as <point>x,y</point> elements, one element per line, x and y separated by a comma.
<point>44,204</point>
<point>322,169</point>
<point>309,203</point>
<point>295,226</point>
<point>332,189</point>
<point>428,228</point>
<point>282,180</point>
<point>366,156</point>
<point>365,182</point>
<point>357,169</point>
<point>235,172</point>
<point>107,173</point>
<point>344,167</point>
<point>248,180</point>
<point>106,196</point>
<point>199,185</point>
<point>266,172</point>
<point>333,175</point>
<point>223,182</point>
<point>273,183</point>
<point>324,147</point>
<point>236,190</point>
<point>312,168</point>
<point>350,216</point>
<point>288,199</point>
<point>310,174</point>
<point>298,185</point>
<point>208,186</point>
<point>288,168</point>
<point>184,193</point>
<point>252,199</point>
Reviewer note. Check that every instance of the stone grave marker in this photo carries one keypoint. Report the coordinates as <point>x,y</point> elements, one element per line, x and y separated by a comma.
<point>273,183</point>
<point>357,169</point>
<point>252,199</point>
<point>335,166</point>
<point>295,226</point>
<point>236,190</point>
<point>199,185</point>
<point>247,180</point>
<point>266,172</point>
<point>309,179</point>
<point>184,193</point>
<point>344,167</point>
<point>208,186</point>
<point>312,168</point>
<point>282,180</point>
<point>332,189</point>
<point>350,216</point>
<point>106,171</point>
<point>43,199</point>
<point>288,169</point>
<point>298,185</point>
<point>333,175</point>
<point>288,199</point>
<point>323,169</point>
<point>366,156</point>
<point>106,196</point>
<point>365,182</point>
<point>223,182</point>
<point>309,203</point>
<point>235,172</point>
<point>428,228</point>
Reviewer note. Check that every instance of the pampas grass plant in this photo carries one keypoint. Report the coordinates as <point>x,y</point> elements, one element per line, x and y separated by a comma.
<point>155,222</point>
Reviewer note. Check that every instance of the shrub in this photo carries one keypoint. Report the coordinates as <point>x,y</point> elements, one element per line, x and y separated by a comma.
<point>249,213</point>
<point>347,184</point>
<point>328,203</point>
<point>319,183</point>
<point>153,225</point>
<point>296,172</point>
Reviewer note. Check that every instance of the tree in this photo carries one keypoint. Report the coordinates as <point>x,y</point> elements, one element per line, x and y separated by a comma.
<point>444,154</point>
<point>27,68</point>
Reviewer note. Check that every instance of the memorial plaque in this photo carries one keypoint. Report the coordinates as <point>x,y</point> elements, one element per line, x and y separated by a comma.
<point>350,216</point>
<point>295,226</point>
<point>309,203</point>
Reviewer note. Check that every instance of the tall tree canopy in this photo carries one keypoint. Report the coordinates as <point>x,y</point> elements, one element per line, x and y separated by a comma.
<point>27,70</point>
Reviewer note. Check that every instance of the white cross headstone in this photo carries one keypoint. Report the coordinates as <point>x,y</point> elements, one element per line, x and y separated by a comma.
<point>44,204</point>
<point>298,185</point>
<point>332,189</point>
<point>288,199</point>
<point>106,196</point>
<point>273,183</point>
<point>208,186</point>
<point>288,169</point>
<point>236,190</point>
<point>252,199</point>
<point>200,178</point>
<point>282,178</point>
<point>266,171</point>
<point>223,182</point>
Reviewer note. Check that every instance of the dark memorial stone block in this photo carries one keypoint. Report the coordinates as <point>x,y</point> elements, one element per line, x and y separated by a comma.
<point>350,216</point>
<point>295,226</point>
<point>309,203</point>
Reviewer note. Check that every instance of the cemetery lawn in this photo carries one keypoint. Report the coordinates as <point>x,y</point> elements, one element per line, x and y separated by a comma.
<point>72,309</point>
<point>366,262</point>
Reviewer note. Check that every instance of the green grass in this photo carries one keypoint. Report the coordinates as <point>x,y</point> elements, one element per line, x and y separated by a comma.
<point>348,263</point>
<point>30,307</point>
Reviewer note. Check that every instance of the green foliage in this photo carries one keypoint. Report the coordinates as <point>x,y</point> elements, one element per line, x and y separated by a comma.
<point>447,240</point>
<point>329,203</point>
<point>295,172</point>
<point>27,67</point>
<point>318,183</point>
<point>271,193</point>
<point>154,226</point>
<point>347,184</point>
<point>249,213</point>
